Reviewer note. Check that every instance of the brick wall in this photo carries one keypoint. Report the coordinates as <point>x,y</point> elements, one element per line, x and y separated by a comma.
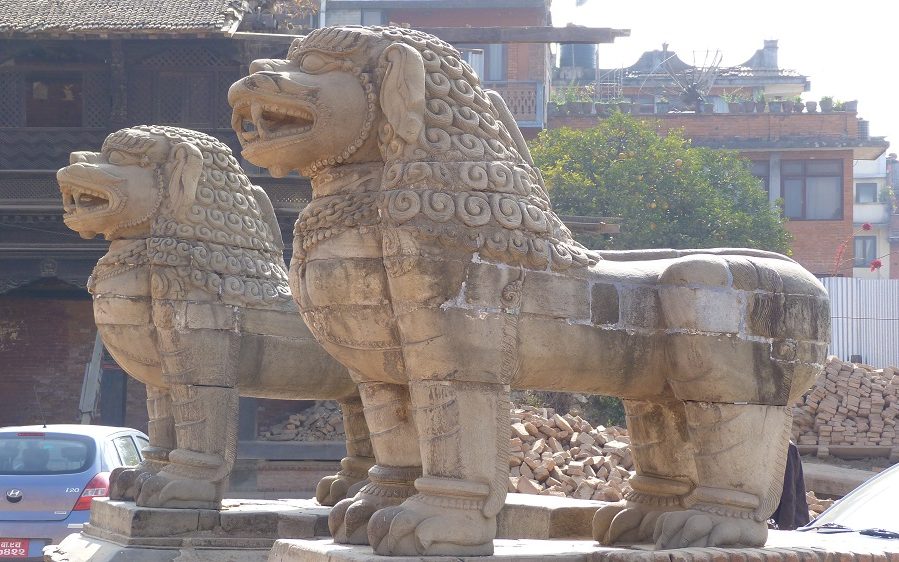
<point>44,347</point>
<point>523,61</point>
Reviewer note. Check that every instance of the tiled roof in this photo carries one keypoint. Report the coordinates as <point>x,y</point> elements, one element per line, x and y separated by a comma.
<point>80,17</point>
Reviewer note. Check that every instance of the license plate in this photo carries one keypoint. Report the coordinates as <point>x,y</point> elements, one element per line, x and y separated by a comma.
<point>13,548</point>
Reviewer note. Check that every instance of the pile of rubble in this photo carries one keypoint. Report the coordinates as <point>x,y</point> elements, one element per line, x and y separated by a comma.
<point>849,404</point>
<point>816,505</point>
<point>563,455</point>
<point>320,422</point>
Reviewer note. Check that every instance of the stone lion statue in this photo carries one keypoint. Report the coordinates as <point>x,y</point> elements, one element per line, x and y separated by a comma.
<point>431,264</point>
<point>192,300</point>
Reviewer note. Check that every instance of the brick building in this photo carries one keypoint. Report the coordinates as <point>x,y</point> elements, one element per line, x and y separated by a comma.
<point>807,160</point>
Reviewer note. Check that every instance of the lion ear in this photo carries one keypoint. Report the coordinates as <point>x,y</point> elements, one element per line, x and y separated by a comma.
<point>403,91</point>
<point>186,163</point>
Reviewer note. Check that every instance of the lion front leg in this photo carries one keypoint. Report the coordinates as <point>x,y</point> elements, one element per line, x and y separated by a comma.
<point>398,463</point>
<point>123,481</point>
<point>354,467</point>
<point>463,435</point>
<point>199,364</point>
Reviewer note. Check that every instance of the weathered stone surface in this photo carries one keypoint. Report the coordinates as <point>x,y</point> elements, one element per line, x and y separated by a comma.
<point>192,300</point>
<point>427,171</point>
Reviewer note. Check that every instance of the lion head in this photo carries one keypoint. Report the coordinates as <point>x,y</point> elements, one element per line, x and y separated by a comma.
<point>184,195</point>
<point>453,164</point>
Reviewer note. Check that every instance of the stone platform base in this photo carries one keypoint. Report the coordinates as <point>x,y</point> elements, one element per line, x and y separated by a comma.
<point>525,550</point>
<point>245,530</point>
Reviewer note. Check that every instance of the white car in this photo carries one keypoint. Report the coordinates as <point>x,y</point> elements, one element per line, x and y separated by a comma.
<point>865,520</point>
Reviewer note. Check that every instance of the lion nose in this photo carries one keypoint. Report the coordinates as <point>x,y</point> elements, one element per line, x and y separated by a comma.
<point>266,81</point>
<point>83,158</point>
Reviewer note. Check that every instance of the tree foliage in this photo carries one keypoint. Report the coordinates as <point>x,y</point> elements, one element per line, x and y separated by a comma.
<point>668,193</point>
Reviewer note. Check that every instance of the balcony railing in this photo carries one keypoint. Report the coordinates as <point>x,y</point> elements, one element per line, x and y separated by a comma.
<point>525,100</point>
<point>873,213</point>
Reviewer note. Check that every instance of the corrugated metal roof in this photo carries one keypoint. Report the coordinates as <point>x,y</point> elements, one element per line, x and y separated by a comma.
<point>41,17</point>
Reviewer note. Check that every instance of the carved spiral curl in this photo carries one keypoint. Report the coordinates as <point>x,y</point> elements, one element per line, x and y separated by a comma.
<point>475,175</point>
<point>403,205</point>
<point>506,211</point>
<point>438,206</point>
<point>473,210</point>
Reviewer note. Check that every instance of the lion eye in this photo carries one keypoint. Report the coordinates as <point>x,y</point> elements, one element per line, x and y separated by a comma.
<point>313,62</point>
<point>120,158</point>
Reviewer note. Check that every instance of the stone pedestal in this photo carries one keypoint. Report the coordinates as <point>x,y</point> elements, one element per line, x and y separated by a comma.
<point>245,530</point>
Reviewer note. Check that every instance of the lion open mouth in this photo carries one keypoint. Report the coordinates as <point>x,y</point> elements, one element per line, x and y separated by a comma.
<point>79,200</point>
<point>266,122</point>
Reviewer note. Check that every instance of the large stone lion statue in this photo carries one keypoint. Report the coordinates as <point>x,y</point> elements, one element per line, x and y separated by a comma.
<point>431,265</point>
<point>192,300</point>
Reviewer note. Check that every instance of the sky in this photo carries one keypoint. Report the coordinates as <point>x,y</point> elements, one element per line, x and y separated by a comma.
<point>847,50</point>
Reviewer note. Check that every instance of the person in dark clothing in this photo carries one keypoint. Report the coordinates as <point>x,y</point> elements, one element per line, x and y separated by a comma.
<point>792,511</point>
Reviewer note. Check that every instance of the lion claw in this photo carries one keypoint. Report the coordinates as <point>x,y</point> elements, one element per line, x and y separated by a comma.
<point>696,528</point>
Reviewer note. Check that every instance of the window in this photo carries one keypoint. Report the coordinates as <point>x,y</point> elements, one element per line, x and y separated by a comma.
<point>866,192</point>
<point>812,189</point>
<point>865,250</point>
<point>37,453</point>
<point>488,61</point>
<point>53,99</point>
<point>124,446</point>
<point>761,169</point>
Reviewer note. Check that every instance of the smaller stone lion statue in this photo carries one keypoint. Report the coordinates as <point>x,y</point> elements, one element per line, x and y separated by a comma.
<point>192,300</point>
<point>451,280</point>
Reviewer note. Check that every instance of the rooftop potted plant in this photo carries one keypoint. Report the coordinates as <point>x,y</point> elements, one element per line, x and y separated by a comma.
<point>826,104</point>
<point>798,105</point>
<point>760,103</point>
<point>734,101</point>
<point>811,107</point>
<point>776,105</point>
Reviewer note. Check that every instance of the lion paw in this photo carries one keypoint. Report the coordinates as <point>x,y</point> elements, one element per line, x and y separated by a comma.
<point>332,489</point>
<point>125,481</point>
<point>165,490</point>
<point>625,522</point>
<point>416,528</point>
<point>696,528</point>
<point>349,518</point>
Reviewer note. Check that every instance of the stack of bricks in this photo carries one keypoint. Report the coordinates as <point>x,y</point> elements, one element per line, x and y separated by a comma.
<point>563,455</point>
<point>850,405</point>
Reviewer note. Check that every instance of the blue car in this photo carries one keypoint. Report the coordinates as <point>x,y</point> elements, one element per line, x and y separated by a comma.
<point>48,477</point>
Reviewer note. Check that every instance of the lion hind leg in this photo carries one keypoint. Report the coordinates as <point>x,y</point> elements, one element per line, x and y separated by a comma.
<point>123,481</point>
<point>354,467</point>
<point>740,454</point>
<point>665,473</point>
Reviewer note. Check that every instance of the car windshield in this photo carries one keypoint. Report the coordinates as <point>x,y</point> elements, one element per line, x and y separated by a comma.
<point>871,505</point>
<point>36,453</point>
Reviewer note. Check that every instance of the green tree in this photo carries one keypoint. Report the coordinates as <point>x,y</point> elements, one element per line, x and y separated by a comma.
<point>669,193</point>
